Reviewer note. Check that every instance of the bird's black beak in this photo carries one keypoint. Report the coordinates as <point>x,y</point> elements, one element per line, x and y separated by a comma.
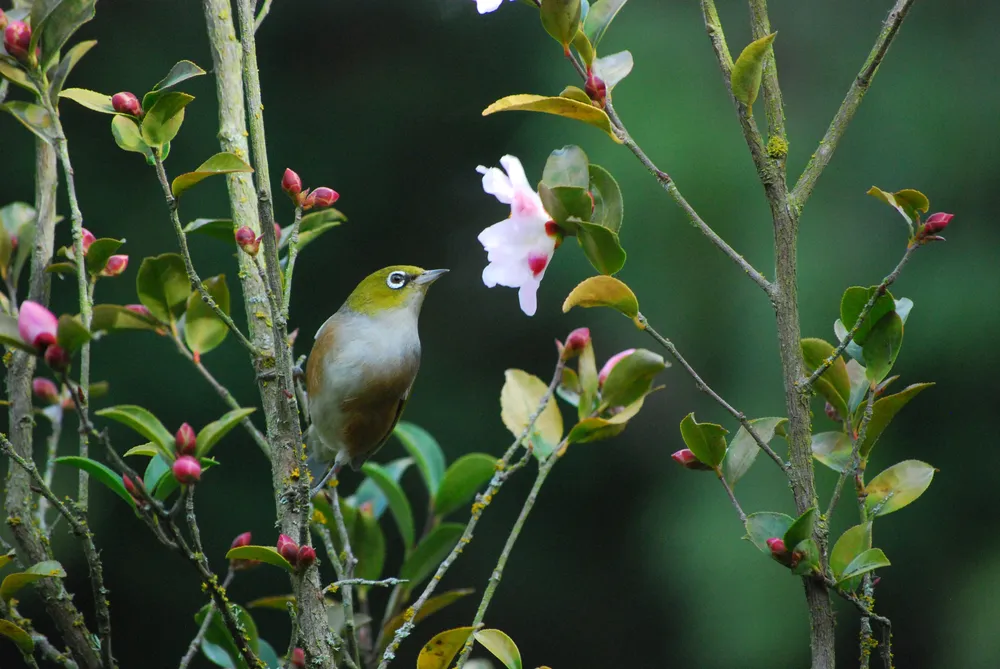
<point>430,276</point>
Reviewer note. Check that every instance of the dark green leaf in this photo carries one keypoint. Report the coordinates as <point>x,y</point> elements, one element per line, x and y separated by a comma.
<point>315,224</point>
<point>163,285</point>
<point>602,248</point>
<point>743,449</point>
<point>424,450</point>
<point>368,544</point>
<point>220,163</point>
<point>143,422</point>
<point>156,476</point>
<point>181,71</point>
<point>368,492</point>
<point>607,199</point>
<point>897,487</point>
<point>210,435</point>
<point>276,602</point>
<point>871,559</point>
<point>834,384</point>
<point>807,555</point>
<point>462,480</point>
<point>18,636</point>
<point>266,554</point>
<point>432,605</point>
<point>65,19</point>
<point>850,545</point>
<point>110,317</point>
<point>443,647</point>
<point>502,647</point>
<point>102,473</point>
<point>599,18</point>
<point>767,525</point>
<point>567,167</point>
<point>801,529</point>
<point>203,329</point>
<point>218,637</point>
<point>429,553</point>
<point>748,69</point>
<point>98,102</point>
<point>71,334</point>
<point>567,206</point>
<point>706,440</point>
<point>853,302</point>
<point>882,347</point>
<point>14,582</point>
<point>267,653</point>
<point>631,378</point>
<point>219,228</point>
<point>34,118</point>
<point>559,106</point>
<point>833,449</point>
<point>396,498</point>
<point>128,137</point>
<point>66,65</point>
<point>6,250</point>
<point>99,252</point>
<point>884,410</point>
<point>561,19</point>
<point>163,120</point>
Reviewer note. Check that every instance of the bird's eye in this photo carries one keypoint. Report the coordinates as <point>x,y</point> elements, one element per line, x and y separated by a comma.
<point>396,280</point>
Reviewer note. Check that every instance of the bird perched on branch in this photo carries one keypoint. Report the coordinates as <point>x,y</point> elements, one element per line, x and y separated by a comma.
<point>362,366</point>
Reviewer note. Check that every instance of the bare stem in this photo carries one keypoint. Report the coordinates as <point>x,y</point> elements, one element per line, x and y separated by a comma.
<point>819,160</point>
<point>51,452</point>
<point>732,496</point>
<point>205,624</point>
<point>265,7</point>
<point>345,573</point>
<point>761,26</point>
<point>293,253</point>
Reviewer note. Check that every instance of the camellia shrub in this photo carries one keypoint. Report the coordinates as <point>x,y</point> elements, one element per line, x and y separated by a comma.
<point>332,544</point>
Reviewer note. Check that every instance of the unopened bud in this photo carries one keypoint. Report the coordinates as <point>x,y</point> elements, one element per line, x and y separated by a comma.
<point>291,184</point>
<point>277,232</point>
<point>57,358</point>
<point>575,343</point>
<point>45,390</point>
<point>831,412</point>
<point>241,540</point>
<point>140,309</point>
<point>87,239</point>
<point>686,458</point>
<point>185,440</point>
<point>17,39</point>
<point>126,103</point>
<point>187,469</point>
<point>298,658</point>
<point>133,488</point>
<point>602,376</point>
<point>288,548</point>
<point>596,89</point>
<point>777,546</point>
<point>306,556</point>
<point>116,265</point>
<point>36,324</point>
<point>247,240</point>
<point>934,224</point>
<point>321,197</point>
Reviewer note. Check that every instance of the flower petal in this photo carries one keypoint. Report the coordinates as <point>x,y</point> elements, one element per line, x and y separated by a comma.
<point>487,6</point>
<point>528,298</point>
<point>497,184</point>
<point>516,173</point>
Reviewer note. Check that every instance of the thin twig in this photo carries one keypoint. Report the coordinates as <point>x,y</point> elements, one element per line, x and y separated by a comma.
<point>879,292</point>
<point>51,452</point>
<point>819,160</point>
<point>338,565</point>
<point>705,388</point>
<point>265,7</point>
<point>384,583</point>
<point>867,612</point>
<point>205,624</point>
<point>293,253</point>
<point>483,500</point>
<point>345,573</point>
<point>855,465</point>
<point>732,496</point>
<point>294,636</point>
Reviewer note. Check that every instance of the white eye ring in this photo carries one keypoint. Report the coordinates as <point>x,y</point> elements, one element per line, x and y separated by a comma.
<point>396,280</point>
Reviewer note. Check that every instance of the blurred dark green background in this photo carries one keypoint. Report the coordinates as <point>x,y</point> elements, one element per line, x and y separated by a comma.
<point>628,559</point>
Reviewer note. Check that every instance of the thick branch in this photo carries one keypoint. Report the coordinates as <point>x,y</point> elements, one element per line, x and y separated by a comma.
<point>819,160</point>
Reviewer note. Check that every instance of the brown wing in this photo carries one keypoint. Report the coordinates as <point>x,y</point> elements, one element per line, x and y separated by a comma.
<point>314,364</point>
<point>371,417</point>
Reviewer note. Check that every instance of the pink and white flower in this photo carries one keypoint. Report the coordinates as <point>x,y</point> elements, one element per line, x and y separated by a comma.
<point>487,6</point>
<point>520,247</point>
<point>37,325</point>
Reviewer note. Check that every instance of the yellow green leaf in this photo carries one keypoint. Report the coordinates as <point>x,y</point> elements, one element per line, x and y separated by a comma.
<point>748,69</point>
<point>432,605</point>
<point>558,106</point>
<point>18,636</point>
<point>442,649</point>
<point>603,291</point>
<point>502,647</point>
<point>519,399</point>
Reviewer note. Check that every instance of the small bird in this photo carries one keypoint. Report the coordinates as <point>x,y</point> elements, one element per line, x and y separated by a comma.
<point>362,367</point>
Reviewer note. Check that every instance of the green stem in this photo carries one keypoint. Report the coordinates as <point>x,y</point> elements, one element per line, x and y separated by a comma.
<point>761,26</point>
<point>345,573</point>
<point>293,253</point>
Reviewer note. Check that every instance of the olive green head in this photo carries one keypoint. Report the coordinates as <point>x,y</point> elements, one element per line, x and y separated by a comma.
<point>393,287</point>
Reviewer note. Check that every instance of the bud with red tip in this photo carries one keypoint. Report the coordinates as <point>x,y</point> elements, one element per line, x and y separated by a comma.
<point>126,103</point>
<point>187,469</point>
<point>277,232</point>
<point>934,224</point>
<point>288,548</point>
<point>45,390</point>
<point>140,309</point>
<point>185,440</point>
<point>596,89</point>
<point>291,184</point>
<point>321,197</point>
<point>88,239</point>
<point>133,488</point>
<point>602,376</point>
<point>575,343</point>
<point>116,265</point>
<point>57,358</point>
<point>17,39</point>
<point>298,658</point>
<point>777,546</point>
<point>305,558</point>
<point>686,458</point>
<point>36,324</point>
<point>242,540</point>
<point>831,412</point>
<point>247,240</point>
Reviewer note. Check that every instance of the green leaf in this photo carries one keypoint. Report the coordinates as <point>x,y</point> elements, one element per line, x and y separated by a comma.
<point>398,504</point>
<point>34,118</point>
<point>128,137</point>
<point>143,422</point>
<point>598,428</point>
<point>871,559</point>
<point>603,291</point>
<point>429,553</point>
<point>98,102</point>
<point>575,93</point>
<point>706,440</point>
<point>743,449</point>
<point>66,65</point>
<point>882,347</point>
<point>850,545</point>
<point>749,68</point>
<point>59,25</point>
<point>808,558</point>
<point>834,384</point>
<point>167,483</point>
<point>767,525</point>
<point>156,476</point>
<point>181,71</point>
<point>631,378</point>
<point>557,106</point>
<point>424,450</point>
<point>6,559</point>
<point>99,253</point>
<point>368,544</point>
<point>369,493</point>
<point>897,486</point>
<point>71,334</point>
<point>567,166</point>
<point>18,636</point>
<point>584,47</point>
<point>268,655</point>
<point>833,449</point>
<point>853,302</point>
<point>462,480</point>
<point>519,399</point>
<point>16,75</point>
<point>502,647</point>
<point>6,250</point>
<point>14,582</point>
<point>218,228</point>
<point>561,19</point>
<point>220,163</point>
<point>586,369</point>
<point>276,602</point>
<point>315,224</point>
<point>600,16</point>
<point>569,387</point>
<point>612,69</point>
<point>101,473</point>
<point>602,248</point>
<point>443,647</point>
<point>212,433</point>
<point>266,554</point>
<point>432,605</point>
<point>217,637</point>
<point>884,410</point>
<point>10,335</point>
<point>566,205</point>
<point>163,285</point>
<point>908,202</point>
<point>801,529</point>
<point>203,329</point>
<point>607,199</point>
<point>163,120</point>
<point>110,317</point>
<point>147,449</point>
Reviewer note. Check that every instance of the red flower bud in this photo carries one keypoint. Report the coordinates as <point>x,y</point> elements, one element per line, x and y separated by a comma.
<point>305,557</point>
<point>298,658</point>
<point>116,265</point>
<point>291,184</point>
<point>935,223</point>
<point>57,358</point>
<point>777,546</point>
<point>288,548</point>
<point>596,89</point>
<point>575,343</point>
<point>277,232</point>
<point>13,238</point>
<point>831,412</point>
<point>36,324</point>
<point>185,440</point>
<point>45,390</point>
<point>247,240</point>
<point>133,488</point>
<point>321,197</point>
<point>88,239</point>
<point>187,470</point>
<point>241,539</point>
<point>686,458</point>
<point>17,39</point>
<point>602,376</point>
<point>140,309</point>
<point>129,485</point>
<point>126,103</point>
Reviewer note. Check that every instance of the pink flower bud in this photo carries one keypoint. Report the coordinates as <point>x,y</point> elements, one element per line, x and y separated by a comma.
<point>305,557</point>
<point>935,223</point>
<point>17,39</point>
<point>686,458</point>
<point>247,240</point>
<point>277,232</point>
<point>602,376</point>
<point>575,343</point>
<point>831,412</point>
<point>140,309</point>
<point>185,440</point>
<point>133,488</point>
<point>116,265</point>
<point>241,539</point>
<point>291,184</point>
<point>45,390</point>
<point>187,470</point>
<point>36,324</point>
<point>777,546</point>
<point>129,485</point>
<point>596,89</point>
<point>126,103</point>
<point>298,658</point>
<point>321,197</point>
<point>56,358</point>
<point>88,239</point>
<point>288,548</point>
<point>13,238</point>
